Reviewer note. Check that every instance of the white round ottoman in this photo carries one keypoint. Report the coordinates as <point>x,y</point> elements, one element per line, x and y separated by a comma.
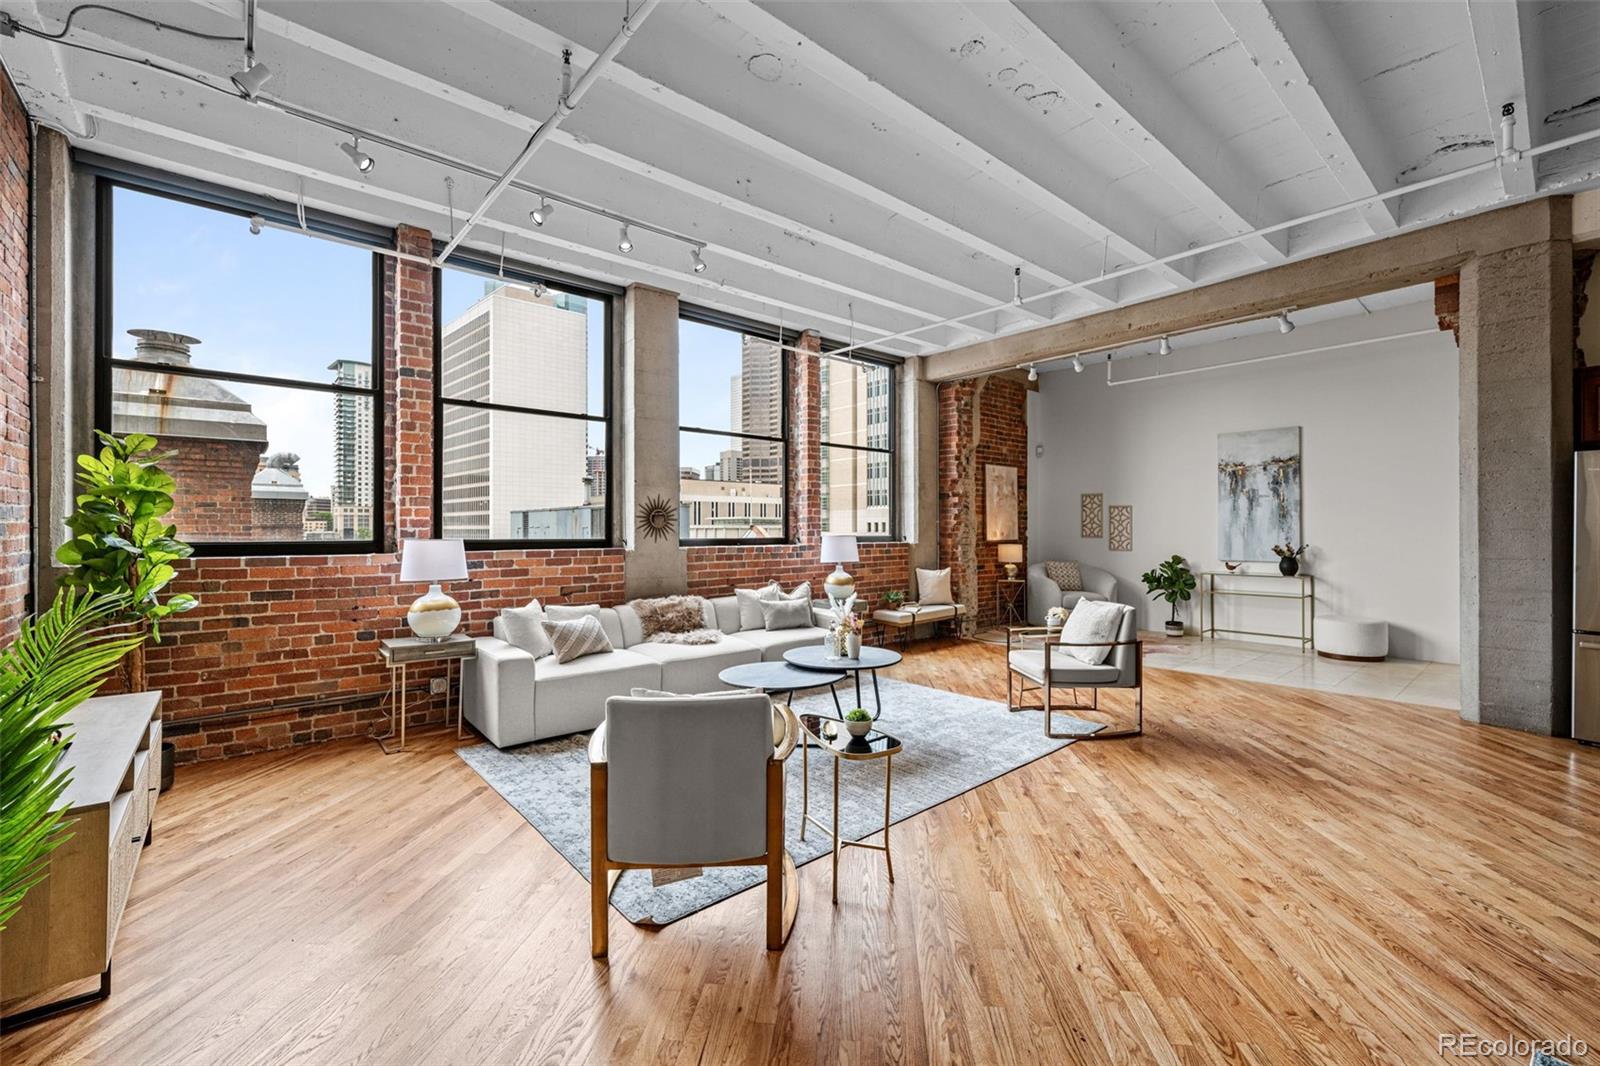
<point>1364,640</point>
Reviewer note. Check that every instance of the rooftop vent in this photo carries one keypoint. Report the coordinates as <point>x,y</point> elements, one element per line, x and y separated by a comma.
<point>160,346</point>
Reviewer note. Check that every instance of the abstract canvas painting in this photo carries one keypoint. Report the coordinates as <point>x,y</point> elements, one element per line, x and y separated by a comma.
<point>1000,502</point>
<point>1258,493</point>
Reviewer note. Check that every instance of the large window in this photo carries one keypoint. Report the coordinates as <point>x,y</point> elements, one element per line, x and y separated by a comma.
<point>858,448</point>
<point>252,358</point>
<point>522,447</point>
<point>733,432</point>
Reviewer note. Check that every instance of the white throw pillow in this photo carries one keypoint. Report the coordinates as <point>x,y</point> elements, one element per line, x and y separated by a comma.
<point>801,591</point>
<point>567,612</point>
<point>1091,622</point>
<point>750,604</point>
<point>524,628</point>
<point>933,587</point>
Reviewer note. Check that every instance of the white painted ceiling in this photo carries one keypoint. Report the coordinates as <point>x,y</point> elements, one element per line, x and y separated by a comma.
<point>863,168</point>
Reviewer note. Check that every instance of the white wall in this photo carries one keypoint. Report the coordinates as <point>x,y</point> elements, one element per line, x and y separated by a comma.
<point>1380,466</point>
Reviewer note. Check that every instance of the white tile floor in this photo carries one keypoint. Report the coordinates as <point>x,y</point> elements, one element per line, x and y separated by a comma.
<point>1406,680</point>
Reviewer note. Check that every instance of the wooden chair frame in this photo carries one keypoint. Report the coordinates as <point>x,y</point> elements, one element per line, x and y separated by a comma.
<point>1020,689</point>
<point>783,880</point>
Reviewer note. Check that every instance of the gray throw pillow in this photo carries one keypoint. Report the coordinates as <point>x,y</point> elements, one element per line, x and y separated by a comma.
<point>524,628</point>
<point>785,614</point>
<point>577,638</point>
<point>750,616</point>
<point>1067,576</point>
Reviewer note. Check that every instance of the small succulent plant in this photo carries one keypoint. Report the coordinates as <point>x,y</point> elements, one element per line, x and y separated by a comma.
<point>858,715</point>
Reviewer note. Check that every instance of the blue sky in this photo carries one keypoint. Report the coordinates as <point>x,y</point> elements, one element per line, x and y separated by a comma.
<point>285,305</point>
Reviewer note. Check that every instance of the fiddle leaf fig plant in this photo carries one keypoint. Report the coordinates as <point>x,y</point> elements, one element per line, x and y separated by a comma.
<point>1172,581</point>
<point>122,545</point>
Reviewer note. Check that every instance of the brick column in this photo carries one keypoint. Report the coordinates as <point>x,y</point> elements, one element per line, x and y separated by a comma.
<point>408,390</point>
<point>1516,478</point>
<point>16,514</point>
<point>805,440</point>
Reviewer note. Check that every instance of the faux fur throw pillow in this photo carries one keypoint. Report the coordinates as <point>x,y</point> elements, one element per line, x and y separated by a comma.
<point>674,620</point>
<point>1069,576</point>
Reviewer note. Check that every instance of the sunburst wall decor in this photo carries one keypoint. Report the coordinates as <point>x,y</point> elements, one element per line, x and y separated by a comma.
<point>658,518</point>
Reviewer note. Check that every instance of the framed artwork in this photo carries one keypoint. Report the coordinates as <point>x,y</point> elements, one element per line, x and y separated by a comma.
<point>1120,516</point>
<point>1000,502</point>
<point>1091,515</point>
<point>1258,492</point>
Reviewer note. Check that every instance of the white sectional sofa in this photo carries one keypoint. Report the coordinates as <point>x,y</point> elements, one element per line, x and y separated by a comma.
<point>512,698</point>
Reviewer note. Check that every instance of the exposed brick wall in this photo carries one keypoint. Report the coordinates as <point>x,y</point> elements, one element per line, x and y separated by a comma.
<point>15,404</point>
<point>981,421</point>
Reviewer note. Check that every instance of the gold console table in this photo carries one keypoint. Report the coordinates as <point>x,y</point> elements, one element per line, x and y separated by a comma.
<point>1307,595</point>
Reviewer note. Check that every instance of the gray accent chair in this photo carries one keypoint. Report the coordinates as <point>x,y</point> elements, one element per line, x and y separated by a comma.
<point>1034,663</point>
<point>1044,594</point>
<point>687,782</point>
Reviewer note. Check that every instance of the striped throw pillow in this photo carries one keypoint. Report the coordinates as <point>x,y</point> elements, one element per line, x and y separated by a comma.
<point>1069,576</point>
<point>577,638</point>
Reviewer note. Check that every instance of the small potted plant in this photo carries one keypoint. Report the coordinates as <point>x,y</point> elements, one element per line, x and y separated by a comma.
<point>894,598</point>
<point>1289,558</point>
<point>1174,582</point>
<point>1055,617</point>
<point>858,722</point>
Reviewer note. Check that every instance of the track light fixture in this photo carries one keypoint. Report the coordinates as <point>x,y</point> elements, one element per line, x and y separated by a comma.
<point>1077,364</point>
<point>1285,325</point>
<point>250,80</point>
<point>694,258</point>
<point>362,160</point>
<point>256,222</point>
<point>1166,347</point>
<point>1033,372</point>
<point>541,214</point>
<point>624,242</point>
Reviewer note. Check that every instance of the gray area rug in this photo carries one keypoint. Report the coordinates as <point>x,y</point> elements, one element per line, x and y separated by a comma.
<point>952,743</point>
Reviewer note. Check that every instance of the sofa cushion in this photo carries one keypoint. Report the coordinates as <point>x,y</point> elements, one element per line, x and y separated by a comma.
<point>774,642</point>
<point>726,611</point>
<point>1064,670</point>
<point>577,638</point>
<point>571,697</point>
<point>785,614</point>
<point>524,628</point>
<point>694,667</point>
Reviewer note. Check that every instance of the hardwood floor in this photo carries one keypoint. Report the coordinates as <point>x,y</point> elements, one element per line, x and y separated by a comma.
<point>1269,875</point>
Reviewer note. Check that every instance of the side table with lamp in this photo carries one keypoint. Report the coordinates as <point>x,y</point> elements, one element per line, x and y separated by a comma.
<point>433,618</point>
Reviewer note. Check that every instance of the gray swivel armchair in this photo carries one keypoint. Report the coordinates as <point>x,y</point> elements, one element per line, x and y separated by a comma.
<point>686,782</point>
<point>1044,594</point>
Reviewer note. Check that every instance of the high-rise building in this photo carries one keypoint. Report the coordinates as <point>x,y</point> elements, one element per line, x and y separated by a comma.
<point>855,484</point>
<point>595,469</point>
<point>524,349</point>
<point>760,411</point>
<point>350,495</point>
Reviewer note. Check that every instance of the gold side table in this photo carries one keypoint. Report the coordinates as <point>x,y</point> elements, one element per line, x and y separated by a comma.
<point>831,735</point>
<point>398,654</point>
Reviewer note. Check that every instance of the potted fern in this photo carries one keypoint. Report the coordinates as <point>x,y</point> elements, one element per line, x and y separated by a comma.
<point>1174,582</point>
<point>58,660</point>
<point>122,545</point>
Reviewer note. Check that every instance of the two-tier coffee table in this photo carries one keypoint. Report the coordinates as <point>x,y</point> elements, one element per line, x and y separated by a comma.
<point>815,657</point>
<point>774,677</point>
<point>830,735</point>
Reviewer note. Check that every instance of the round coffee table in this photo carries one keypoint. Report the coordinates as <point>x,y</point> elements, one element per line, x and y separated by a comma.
<point>775,677</point>
<point>815,657</point>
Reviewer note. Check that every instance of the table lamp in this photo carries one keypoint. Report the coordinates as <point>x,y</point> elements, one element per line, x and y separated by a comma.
<point>839,548</point>
<point>1011,555</point>
<point>434,616</point>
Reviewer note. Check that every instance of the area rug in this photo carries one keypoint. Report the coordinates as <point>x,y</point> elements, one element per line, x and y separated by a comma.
<point>953,743</point>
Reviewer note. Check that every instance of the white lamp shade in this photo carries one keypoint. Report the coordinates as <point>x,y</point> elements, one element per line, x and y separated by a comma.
<point>1011,553</point>
<point>433,560</point>
<point>839,548</point>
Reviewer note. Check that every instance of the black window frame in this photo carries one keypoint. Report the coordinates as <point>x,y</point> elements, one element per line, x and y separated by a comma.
<point>108,177</point>
<point>891,453</point>
<point>524,274</point>
<point>786,339</point>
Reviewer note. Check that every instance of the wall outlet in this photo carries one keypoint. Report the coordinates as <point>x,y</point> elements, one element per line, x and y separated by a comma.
<point>439,685</point>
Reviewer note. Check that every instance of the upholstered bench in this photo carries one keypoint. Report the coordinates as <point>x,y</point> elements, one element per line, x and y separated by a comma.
<point>903,620</point>
<point>1363,640</point>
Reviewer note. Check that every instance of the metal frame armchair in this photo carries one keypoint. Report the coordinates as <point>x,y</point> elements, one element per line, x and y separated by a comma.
<point>686,782</point>
<point>1030,657</point>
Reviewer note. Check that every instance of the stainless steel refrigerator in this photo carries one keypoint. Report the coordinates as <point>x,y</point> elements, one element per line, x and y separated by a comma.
<point>1586,598</point>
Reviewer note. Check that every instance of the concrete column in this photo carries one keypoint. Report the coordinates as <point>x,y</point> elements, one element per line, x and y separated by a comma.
<point>1516,484</point>
<point>655,566</point>
<point>919,466</point>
